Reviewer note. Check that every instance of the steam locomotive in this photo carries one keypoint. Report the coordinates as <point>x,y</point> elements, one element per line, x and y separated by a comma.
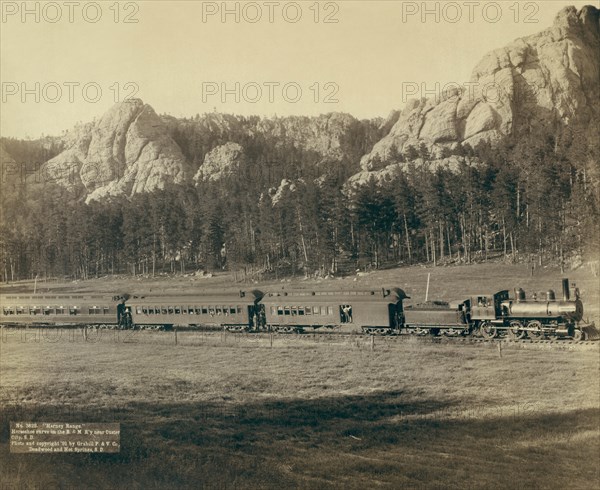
<point>372,312</point>
<point>494,315</point>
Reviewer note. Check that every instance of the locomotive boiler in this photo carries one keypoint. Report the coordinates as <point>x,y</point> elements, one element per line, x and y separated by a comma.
<point>538,318</point>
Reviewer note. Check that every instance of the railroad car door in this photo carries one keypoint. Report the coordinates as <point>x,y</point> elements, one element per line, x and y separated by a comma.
<point>256,316</point>
<point>393,315</point>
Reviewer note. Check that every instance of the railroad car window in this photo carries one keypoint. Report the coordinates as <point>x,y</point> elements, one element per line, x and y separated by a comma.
<point>20,310</point>
<point>144,310</point>
<point>7,310</point>
<point>232,310</point>
<point>35,310</point>
<point>93,310</point>
<point>105,310</point>
<point>163,310</point>
<point>273,310</point>
<point>308,310</point>
<point>316,310</point>
<point>139,310</point>
<point>171,310</point>
<point>301,310</point>
<point>191,310</point>
<point>280,310</point>
<point>184,310</point>
<point>294,310</point>
<point>211,310</point>
<point>239,310</point>
<point>73,310</point>
<point>48,310</point>
<point>59,310</point>
<point>219,311</point>
<point>287,310</point>
<point>178,310</point>
<point>201,310</point>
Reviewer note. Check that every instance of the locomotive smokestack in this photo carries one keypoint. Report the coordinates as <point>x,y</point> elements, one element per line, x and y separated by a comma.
<point>565,288</point>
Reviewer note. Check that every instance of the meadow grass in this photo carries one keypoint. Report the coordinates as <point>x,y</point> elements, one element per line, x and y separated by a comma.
<point>226,411</point>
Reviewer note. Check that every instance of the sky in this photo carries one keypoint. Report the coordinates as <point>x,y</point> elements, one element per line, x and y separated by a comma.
<point>62,63</point>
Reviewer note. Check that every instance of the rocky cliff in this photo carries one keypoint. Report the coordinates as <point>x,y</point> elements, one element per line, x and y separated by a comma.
<point>542,79</point>
<point>549,76</point>
<point>221,162</point>
<point>127,151</point>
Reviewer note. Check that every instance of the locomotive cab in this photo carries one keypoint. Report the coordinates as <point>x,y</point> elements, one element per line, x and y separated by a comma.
<point>487,306</point>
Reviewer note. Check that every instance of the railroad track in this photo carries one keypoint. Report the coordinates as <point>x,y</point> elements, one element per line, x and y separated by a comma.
<point>334,337</point>
<point>379,340</point>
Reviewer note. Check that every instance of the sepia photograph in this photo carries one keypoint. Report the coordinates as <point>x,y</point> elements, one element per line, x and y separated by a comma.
<point>304,244</point>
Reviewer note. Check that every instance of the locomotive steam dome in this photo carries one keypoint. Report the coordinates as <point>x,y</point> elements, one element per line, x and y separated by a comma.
<point>519,294</point>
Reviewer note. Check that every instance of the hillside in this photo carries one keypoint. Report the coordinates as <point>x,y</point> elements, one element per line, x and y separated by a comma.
<point>542,80</point>
<point>460,178</point>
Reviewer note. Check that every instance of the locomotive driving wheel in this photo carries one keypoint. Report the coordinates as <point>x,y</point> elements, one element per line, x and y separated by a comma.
<point>515,330</point>
<point>487,330</point>
<point>535,330</point>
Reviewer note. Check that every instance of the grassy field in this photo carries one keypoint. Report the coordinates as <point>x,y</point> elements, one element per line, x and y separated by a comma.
<point>227,411</point>
<point>234,412</point>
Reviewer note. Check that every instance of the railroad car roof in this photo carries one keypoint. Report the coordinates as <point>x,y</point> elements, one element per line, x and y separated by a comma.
<point>231,297</point>
<point>183,300</point>
<point>383,295</point>
<point>113,298</point>
<point>40,297</point>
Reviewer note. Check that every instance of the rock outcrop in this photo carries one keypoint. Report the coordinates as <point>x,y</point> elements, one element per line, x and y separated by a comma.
<point>221,162</point>
<point>541,79</point>
<point>127,151</point>
<point>286,189</point>
<point>327,135</point>
<point>549,76</point>
<point>390,173</point>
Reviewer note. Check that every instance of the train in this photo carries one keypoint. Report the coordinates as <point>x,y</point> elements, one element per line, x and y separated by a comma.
<point>382,311</point>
